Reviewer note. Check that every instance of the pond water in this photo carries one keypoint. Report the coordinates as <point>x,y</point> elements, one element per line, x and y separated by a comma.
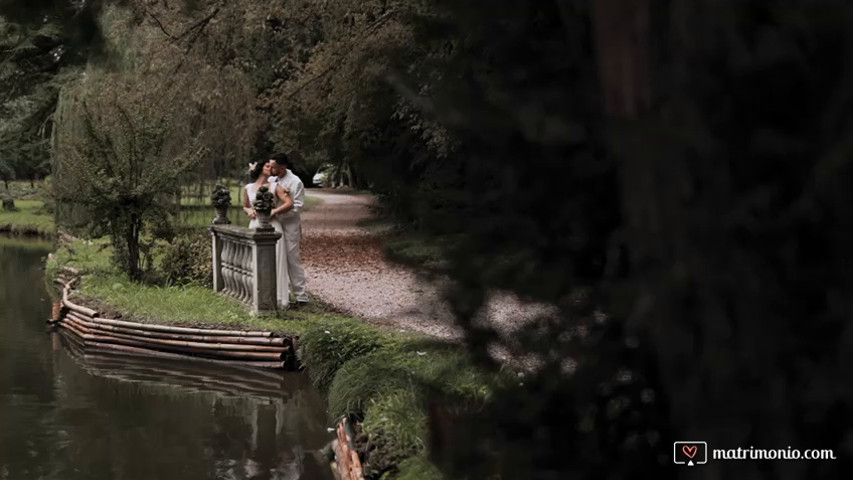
<point>69,414</point>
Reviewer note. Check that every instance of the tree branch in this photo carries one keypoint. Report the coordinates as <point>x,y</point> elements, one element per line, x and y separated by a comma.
<point>346,49</point>
<point>159,24</point>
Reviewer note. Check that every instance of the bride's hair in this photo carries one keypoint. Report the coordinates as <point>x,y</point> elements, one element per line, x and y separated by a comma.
<point>255,170</point>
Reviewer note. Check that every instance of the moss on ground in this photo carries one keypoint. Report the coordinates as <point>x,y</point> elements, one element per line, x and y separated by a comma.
<point>383,378</point>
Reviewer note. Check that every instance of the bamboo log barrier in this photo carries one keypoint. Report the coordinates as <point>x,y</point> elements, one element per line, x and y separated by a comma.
<point>89,335</point>
<point>224,347</point>
<point>210,349</point>
<point>259,341</point>
<point>232,367</point>
<point>95,328</point>
<point>93,314</point>
<point>98,347</point>
<point>183,330</point>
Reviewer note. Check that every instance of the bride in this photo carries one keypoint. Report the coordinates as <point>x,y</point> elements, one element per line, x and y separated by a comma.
<point>260,173</point>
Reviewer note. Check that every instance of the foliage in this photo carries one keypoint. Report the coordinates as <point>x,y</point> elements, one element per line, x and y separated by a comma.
<point>8,203</point>
<point>119,152</point>
<point>39,45</point>
<point>392,389</point>
<point>680,167</point>
<point>187,260</point>
<point>87,256</point>
<point>326,347</point>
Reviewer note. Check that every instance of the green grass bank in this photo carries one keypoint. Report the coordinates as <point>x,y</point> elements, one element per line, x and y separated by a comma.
<point>31,218</point>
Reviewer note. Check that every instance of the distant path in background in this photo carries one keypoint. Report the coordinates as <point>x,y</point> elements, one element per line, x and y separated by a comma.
<point>346,268</point>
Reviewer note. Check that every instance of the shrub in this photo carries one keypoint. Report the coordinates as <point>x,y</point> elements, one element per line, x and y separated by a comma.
<point>188,260</point>
<point>326,347</point>
<point>9,204</point>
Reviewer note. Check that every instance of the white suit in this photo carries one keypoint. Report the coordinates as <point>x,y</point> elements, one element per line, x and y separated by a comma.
<point>292,224</point>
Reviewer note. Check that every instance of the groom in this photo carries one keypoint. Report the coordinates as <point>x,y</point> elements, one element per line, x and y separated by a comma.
<point>291,224</point>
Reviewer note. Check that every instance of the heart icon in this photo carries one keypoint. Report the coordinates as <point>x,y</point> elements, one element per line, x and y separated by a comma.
<point>690,451</point>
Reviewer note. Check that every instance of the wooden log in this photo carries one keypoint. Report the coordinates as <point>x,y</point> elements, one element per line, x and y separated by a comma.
<point>92,340</point>
<point>260,341</point>
<point>77,308</point>
<point>169,329</point>
<point>170,346</point>
<point>230,367</point>
<point>66,323</point>
<point>77,336</point>
<point>95,329</point>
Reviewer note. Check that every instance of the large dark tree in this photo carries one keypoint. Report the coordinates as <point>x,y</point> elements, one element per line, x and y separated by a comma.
<point>682,166</point>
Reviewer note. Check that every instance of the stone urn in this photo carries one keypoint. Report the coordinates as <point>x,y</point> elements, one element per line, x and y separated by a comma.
<point>264,202</point>
<point>221,200</point>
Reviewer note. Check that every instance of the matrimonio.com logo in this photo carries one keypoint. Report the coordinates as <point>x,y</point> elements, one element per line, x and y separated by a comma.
<point>690,453</point>
<point>696,453</point>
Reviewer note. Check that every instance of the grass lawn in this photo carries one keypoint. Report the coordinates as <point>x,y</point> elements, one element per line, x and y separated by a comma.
<point>200,214</point>
<point>383,378</point>
<point>191,197</point>
<point>30,218</point>
<point>196,212</point>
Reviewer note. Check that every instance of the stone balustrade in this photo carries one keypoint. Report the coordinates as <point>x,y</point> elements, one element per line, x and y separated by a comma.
<point>244,266</point>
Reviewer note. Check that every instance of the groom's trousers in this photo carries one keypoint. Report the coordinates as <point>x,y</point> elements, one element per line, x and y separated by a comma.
<point>292,225</point>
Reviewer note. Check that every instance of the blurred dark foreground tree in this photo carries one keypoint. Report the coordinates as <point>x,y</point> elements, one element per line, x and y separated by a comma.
<point>685,167</point>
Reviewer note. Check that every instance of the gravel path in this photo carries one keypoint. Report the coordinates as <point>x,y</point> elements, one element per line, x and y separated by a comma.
<point>345,267</point>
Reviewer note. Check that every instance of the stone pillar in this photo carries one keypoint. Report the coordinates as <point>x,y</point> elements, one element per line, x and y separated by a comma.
<point>218,284</point>
<point>264,268</point>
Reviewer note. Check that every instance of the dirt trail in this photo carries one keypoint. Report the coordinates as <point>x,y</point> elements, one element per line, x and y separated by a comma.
<point>345,267</point>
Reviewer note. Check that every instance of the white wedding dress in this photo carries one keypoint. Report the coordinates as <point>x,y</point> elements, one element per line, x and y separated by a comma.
<point>282,280</point>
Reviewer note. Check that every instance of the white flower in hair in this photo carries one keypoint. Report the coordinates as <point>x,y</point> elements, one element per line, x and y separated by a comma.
<point>252,167</point>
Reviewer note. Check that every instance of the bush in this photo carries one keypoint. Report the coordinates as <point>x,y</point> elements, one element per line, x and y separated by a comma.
<point>392,388</point>
<point>188,260</point>
<point>326,347</point>
<point>9,204</point>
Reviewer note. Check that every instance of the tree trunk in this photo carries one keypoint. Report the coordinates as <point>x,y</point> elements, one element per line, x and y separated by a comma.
<point>132,239</point>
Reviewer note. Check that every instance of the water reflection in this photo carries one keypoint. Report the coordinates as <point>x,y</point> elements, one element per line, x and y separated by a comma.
<point>70,413</point>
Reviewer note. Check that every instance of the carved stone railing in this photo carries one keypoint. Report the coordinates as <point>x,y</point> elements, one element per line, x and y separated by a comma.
<point>244,266</point>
